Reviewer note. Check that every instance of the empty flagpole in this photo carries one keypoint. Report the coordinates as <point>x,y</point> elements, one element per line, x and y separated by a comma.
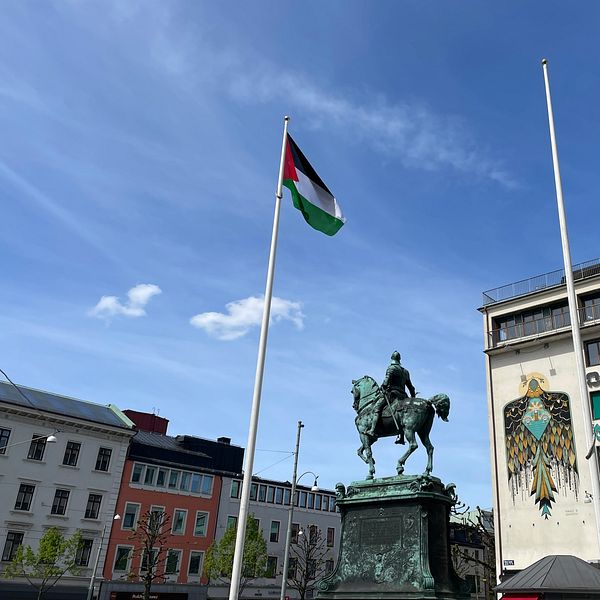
<point>260,367</point>
<point>573,312</point>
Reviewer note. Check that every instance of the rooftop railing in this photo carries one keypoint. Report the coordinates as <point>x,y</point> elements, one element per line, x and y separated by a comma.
<point>540,282</point>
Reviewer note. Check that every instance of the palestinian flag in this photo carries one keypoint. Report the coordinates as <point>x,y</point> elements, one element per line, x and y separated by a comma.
<point>311,196</point>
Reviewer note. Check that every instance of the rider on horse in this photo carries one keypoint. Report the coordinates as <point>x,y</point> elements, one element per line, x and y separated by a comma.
<point>397,380</point>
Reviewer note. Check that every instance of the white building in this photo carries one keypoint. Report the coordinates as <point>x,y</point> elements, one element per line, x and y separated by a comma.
<point>542,480</point>
<point>269,504</point>
<point>70,483</point>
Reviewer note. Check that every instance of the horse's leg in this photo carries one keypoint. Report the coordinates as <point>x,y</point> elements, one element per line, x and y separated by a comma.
<point>429,447</point>
<point>366,440</point>
<point>409,432</point>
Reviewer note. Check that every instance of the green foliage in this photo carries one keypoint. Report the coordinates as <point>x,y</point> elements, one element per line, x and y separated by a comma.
<point>44,567</point>
<point>218,562</point>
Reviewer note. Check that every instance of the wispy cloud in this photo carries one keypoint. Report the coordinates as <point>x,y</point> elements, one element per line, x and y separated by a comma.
<point>138,297</point>
<point>243,315</point>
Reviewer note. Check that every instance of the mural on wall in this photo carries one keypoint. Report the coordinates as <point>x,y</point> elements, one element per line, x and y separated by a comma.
<point>540,449</point>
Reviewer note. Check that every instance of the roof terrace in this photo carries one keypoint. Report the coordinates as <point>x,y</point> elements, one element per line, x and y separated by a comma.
<point>540,282</point>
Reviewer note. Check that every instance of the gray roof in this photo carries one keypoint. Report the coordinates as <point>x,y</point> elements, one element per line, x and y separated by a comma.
<point>166,442</point>
<point>62,405</point>
<point>555,573</point>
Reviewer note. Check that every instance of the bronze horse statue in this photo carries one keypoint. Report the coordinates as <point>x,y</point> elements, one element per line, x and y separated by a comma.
<point>413,416</point>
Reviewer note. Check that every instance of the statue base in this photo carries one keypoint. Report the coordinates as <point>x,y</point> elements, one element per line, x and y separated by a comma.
<point>394,542</point>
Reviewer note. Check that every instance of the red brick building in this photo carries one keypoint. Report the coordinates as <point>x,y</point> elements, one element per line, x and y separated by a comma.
<point>181,477</point>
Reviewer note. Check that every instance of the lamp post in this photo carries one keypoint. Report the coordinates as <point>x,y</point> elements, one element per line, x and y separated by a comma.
<point>288,536</point>
<point>49,439</point>
<point>93,577</point>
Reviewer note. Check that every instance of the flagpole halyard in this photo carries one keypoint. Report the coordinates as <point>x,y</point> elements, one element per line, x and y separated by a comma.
<point>572,301</point>
<point>260,365</point>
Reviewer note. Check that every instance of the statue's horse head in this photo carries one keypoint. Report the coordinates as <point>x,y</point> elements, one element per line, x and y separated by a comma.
<point>364,391</point>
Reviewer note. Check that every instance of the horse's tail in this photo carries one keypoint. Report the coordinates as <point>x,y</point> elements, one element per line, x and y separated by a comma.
<point>441,402</point>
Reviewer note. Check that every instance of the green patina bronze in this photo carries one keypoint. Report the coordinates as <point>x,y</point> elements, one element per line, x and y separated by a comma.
<point>394,543</point>
<point>388,410</point>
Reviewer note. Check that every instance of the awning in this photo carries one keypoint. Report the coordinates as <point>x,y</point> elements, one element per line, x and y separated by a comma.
<point>520,597</point>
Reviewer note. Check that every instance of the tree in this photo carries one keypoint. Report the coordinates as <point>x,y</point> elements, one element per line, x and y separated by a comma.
<point>55,556</point>
<point>479,530</point>
<point>218,562</point>
<point>308,561</point>
<point>151,534</point>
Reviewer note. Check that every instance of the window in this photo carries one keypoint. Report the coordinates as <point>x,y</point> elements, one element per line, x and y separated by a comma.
<point>173,480</point>
<point>286,496</point>
<point>328,566</point>
<point>161,477</point>
<point>59,506</point>
<point>311,568</point>
<point>253,491</point>
<point>184,484</point>
<point>595,398</point>
<point>207,484</point>
<point>38,445</point>
<point>82,556</point>
<point>235,489</point>
<point>4,436</point>
<point>311,500</point>
<point>317,501</point>
<point>292,567</point>
<point>122,556</point>
<point>274,537</point>
<point>196,560</point>
<point>531,322</point>
<point>179,517</point>
<point>71,454</point>
<point>271,566</point>
<point>279,496</point>
<point>152,555</point>
<point>295,531</point>
<point>24,496</point>
<point>332,504</point>
<point>303,499</point>
<point>172,566</point>
<point>136,474</point>
<point>92,510</point>
<point>592,353</point>
<point>201,524</point>
<point>330,537</point>
<point>313,534</point>
<point>149,475</point>
<point>196,480</point>
<point>131,515</point>
<point>231,522</point>
<point>271,494</point>
<point>103,460</point>
<point>262,493</point>
<point>13,540</point>
<point>590,308</point>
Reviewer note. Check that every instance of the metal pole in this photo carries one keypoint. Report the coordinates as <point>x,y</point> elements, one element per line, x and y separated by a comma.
<point>573,312</point>
<point>260,366</point>
<point>93,577</point>
<point>288,535</point>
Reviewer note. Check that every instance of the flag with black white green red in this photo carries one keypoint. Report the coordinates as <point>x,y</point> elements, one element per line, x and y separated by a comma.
<point>310,195</point>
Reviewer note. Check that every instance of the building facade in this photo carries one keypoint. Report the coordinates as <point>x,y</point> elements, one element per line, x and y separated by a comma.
<point>61,461</point>
<point>181,478</point>
<point>269,504</point>
<point>542,480</point>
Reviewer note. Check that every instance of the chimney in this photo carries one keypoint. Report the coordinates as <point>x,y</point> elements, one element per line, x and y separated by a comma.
<point>224,440</point>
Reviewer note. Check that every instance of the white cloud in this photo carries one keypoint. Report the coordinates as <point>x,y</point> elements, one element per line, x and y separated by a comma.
<point>139,296</point>
<point>243,315</point>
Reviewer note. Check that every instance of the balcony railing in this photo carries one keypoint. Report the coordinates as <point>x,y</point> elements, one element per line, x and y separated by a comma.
<point>588,315</point>
<point>540,282</point>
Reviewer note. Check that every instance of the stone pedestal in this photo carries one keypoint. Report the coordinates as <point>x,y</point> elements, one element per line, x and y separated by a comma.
<point>394,542</point>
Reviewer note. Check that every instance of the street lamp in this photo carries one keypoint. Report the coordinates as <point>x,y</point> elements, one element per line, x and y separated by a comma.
<point>50,439</point>
<point>93,577</point>
<point>288,537</point>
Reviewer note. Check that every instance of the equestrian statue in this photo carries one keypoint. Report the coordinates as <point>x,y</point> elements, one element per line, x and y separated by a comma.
<point>387,410</point>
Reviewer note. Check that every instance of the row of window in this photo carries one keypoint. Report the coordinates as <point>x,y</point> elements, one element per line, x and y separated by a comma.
<point>14,539</point>
<point>172,562</point>
<point>296,529</point>
<point>59,504</point>
<point>172,479</point>
<point>280,495</point>
<point>37,448</point>
<point>178,521</point>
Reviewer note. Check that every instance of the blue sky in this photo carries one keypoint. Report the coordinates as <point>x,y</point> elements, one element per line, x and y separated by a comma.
<point>139,154</point>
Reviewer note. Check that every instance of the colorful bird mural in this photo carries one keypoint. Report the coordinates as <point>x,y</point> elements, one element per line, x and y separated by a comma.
<point>540,449</point>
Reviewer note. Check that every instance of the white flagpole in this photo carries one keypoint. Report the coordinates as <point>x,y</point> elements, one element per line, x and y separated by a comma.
<point>260,367</point>
<point>573,312</point>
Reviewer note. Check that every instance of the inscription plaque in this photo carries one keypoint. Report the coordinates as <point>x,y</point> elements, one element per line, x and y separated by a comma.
<point>380,531</point>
